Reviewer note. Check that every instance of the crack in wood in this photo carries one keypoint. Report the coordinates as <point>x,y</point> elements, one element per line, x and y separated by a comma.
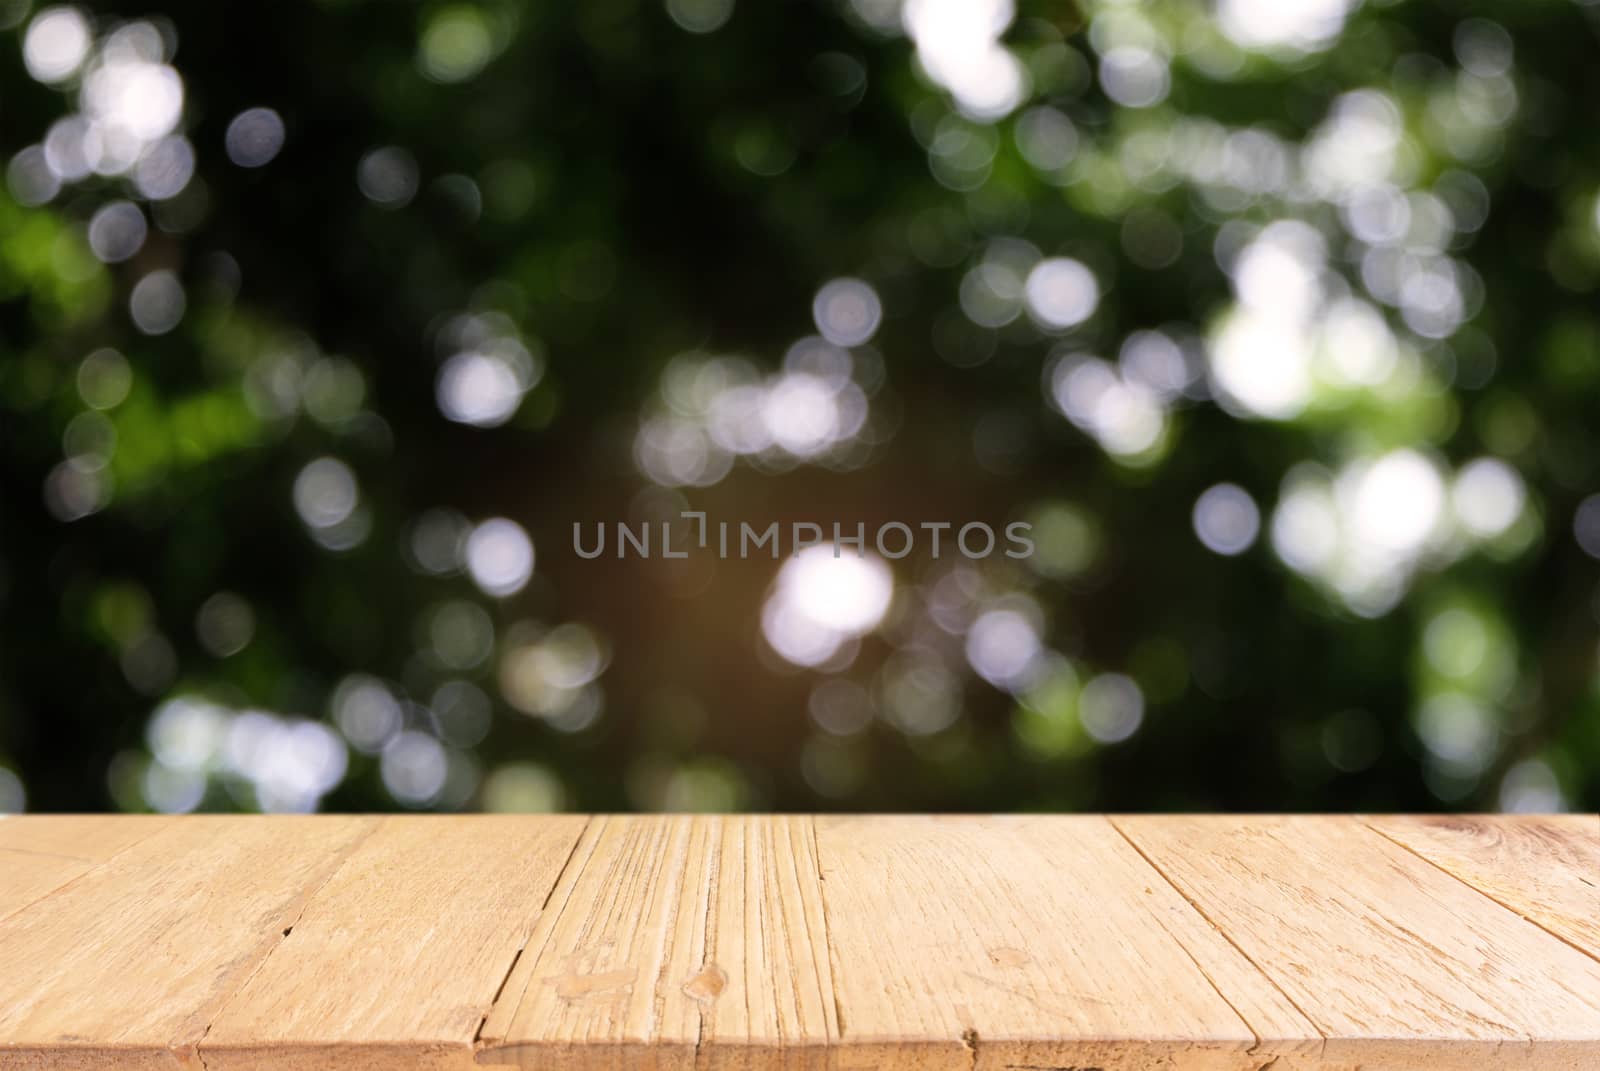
<point>1229,938</point>
<point>516,957</point>
<point>1024,943</point>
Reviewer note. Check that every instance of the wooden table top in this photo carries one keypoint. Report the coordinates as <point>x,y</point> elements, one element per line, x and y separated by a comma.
<point>1026,942</point>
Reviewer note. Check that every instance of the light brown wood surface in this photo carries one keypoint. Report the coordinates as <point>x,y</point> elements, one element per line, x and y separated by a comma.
<point>1395,962</point>
<point>420,925</point>
<point>44,853</point>
<point>1024,943</point>
<point>1497,855</point>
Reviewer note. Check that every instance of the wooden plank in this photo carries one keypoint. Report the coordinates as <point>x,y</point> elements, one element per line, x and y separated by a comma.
<point>1032,942</point>
<point>422,924</point>
<point>34,851</point>
<point>1546,868</point>
<point>94,837</point>
<point>1398,964</point>
<point>127,965</point>
<point>744,943</point>
<point>26,877</point>
<point>675,943</point>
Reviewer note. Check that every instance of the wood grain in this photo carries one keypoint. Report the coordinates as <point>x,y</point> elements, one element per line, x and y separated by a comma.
<point>92,837</point>
<point>45,853</point>
<point>1393,960</point>
<point>1024,943</point>
<point>423,921</point>
<point>1033,942</point>
<point>126,966</point>
<point>1499,854</point>
<point>676,940</point>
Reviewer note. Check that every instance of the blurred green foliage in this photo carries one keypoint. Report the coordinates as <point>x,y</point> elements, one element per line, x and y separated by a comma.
<point>1277,323</point>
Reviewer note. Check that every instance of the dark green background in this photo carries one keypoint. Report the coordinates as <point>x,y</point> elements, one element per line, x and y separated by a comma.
<point>620,228</point>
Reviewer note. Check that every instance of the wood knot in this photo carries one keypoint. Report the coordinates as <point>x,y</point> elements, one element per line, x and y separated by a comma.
<point>1008,957</point>
<point>707,984</point>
